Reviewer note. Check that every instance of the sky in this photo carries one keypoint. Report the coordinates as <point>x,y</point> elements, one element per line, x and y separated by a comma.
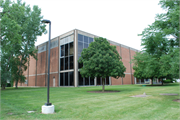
<point>117,20</point>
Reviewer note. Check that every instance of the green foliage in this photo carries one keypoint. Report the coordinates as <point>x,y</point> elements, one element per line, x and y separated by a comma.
<point>167,81</point>
<point>20,26</point>
<point>160,42</point>
<point>101,60</point>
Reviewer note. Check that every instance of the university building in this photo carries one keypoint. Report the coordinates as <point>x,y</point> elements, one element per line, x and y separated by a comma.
<point>64,67</point>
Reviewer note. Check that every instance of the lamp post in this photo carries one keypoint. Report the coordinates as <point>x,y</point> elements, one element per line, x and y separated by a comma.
<point>48,107</point>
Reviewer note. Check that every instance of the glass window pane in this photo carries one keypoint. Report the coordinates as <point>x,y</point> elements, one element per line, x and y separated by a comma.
<point>80,38</point>
<point>72,38</point>
<point>66,49</point>
<point>80,48</point>
<point>98,81</point>
<point>62,64</point>
<point>66,79</point>
<point>66,63</point>
<point>80,79</point>
<point>107,81</point>
<point>85,39</point>
<point>85,45</point>
<point>71,62</point>
<point>62,51</point>
<point>87,81</point>
<point>71,48</point>
<point>91,81</point>
<point>62,41</point>
<point>61,79</point>
<point>71,75</point>
<point>90,40</point>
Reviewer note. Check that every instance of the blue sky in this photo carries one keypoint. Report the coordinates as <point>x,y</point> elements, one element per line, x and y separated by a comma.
<point>117,20</point>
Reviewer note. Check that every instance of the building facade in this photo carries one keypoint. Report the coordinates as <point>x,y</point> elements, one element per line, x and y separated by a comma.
<point>64,67</point>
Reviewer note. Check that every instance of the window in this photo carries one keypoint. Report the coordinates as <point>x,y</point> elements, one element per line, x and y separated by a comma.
<point>66,53</point>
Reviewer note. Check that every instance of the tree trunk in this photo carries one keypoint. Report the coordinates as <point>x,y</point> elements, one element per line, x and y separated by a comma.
<point>103,84</point>
<point>16,84</point>
<point>19,71</point>
<point>152,81</point>
<point>3,86</point>
<point>162,81</point>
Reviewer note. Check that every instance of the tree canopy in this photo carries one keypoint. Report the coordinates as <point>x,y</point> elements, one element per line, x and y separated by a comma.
<point>160,42</point>
<point>20,26</point>
<point>101,59</point>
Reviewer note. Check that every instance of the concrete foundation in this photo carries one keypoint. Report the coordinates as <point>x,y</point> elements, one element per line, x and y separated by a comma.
<point>48,109</point>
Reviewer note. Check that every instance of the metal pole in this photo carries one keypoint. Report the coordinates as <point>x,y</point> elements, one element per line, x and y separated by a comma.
<point>48,65</point>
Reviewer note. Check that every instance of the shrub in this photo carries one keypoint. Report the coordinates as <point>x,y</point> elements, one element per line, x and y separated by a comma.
<point>167,81</point>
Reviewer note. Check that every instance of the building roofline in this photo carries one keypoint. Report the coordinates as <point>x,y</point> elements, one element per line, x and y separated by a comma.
<point>90,34</point>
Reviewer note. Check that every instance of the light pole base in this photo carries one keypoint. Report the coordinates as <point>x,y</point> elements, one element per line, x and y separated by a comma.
<point>48,109</point>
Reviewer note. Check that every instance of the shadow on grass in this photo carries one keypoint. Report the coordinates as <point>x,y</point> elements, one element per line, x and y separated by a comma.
<point>159,85</point>
<point>20,88</point>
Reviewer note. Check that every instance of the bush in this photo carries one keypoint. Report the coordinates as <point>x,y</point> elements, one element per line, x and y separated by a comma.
<point>167,81</point>
<point>8,84</point>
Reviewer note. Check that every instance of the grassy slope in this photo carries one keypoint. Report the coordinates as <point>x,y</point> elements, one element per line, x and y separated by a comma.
<point>77,103</point>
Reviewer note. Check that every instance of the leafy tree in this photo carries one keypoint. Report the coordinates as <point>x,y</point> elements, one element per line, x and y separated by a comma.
<point>160,41</point>
<point>20,26</point>
<point>101,60</point>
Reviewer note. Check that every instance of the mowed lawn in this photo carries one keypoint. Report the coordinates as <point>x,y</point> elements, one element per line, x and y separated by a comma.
<point>77,103</point>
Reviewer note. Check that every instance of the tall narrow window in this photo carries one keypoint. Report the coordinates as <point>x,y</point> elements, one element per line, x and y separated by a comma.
<point>61,63</point>
<point>62,51</point>
<point>66,79</point>
<point>71,62</point>
<point>61,79</point>
<point>71,75</point>
<point>71,50</point>
<point>66,50</point>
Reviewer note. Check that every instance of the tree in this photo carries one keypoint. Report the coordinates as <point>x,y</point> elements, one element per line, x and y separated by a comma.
<point>160,41</point>
<point>20,26</point>
<point>101,60</point>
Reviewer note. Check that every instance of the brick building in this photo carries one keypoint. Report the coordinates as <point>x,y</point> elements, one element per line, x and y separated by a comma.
<point>64,68</point>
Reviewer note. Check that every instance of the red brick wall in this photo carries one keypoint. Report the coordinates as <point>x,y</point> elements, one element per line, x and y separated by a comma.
<point>115,81</point>
<point>41,62</point>
<point>54,60</point>
<point>126,59</point>
<point>40,80</point>
<point>32,66</point>
<point>132,57</point>
<point>127,79</point>
<point>31,81</point>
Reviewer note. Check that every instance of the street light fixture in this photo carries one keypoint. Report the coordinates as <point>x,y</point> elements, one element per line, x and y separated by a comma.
<point>48,107</point>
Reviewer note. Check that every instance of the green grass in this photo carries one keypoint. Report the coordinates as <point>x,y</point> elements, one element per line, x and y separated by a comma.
<point>77,103</point>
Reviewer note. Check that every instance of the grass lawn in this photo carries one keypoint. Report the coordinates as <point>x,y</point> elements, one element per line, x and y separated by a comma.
<point>77,103</point>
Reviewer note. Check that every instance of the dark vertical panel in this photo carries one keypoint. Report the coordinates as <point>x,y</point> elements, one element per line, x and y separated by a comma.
<point>80,79</point>
<point>62,63</point>
<point>66,49</point>
<point>91,81</point>
<point>66,79</point>
<point>98,81</point>
<point>71,62</point>
<point>62,53</point>
<point>107,81</point>
<point>66,63</point>
<point>71,75</point>
<point>61,79</point>
<point>87,81</point>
